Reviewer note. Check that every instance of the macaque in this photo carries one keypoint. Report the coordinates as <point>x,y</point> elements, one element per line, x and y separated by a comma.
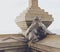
<point>32,32</point>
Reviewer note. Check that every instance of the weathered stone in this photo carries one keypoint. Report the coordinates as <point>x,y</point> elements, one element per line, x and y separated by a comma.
<point>12,44</point>
<point>49,44</point>
<point>26,18</point>
<point>10,50</point>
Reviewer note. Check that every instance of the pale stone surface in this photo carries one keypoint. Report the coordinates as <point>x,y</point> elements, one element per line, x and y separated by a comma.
<point>10,50</point>
<point>49,44</point>
<point>28,15</point>
<point>12,43</point>
<point>33,3</point>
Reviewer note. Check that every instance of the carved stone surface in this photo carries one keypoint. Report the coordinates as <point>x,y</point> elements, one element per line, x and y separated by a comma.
<point>26,18</point>
<point>12,43</point>
<point>49,44</point>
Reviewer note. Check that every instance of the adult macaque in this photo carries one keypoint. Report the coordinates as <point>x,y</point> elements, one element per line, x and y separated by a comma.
<point>34,30</point>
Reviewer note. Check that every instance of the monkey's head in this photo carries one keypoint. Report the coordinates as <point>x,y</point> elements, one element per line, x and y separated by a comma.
<point>37,19</point>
